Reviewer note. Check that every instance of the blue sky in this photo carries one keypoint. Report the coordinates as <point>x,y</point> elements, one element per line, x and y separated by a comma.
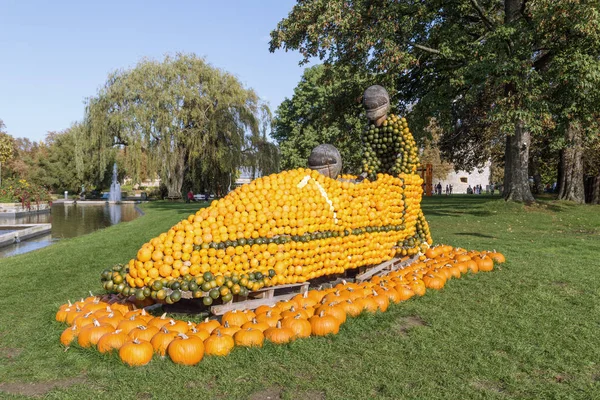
<point>54,54</point>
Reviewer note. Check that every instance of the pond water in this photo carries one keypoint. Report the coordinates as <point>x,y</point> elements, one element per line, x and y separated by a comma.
<point>69,220</point>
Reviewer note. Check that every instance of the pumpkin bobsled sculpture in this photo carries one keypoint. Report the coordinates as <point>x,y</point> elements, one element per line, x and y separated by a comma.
<point>283,228</point>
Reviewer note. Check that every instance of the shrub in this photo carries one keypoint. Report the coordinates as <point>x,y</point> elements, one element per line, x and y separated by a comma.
<point>26,193</point>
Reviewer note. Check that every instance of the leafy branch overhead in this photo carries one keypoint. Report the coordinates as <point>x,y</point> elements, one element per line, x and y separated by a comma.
<point>488,71</point>
<point>323,109</point>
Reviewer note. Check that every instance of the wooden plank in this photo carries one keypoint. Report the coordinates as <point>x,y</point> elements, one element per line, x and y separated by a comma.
<point>250,304</point>
<point>369,273</point>
<point>264,294</point>
<point>386,267</point>
<point>400,264</point>
<point>289,285</point>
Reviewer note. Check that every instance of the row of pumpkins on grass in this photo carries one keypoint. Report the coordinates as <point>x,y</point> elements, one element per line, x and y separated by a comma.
<point>137,335</point>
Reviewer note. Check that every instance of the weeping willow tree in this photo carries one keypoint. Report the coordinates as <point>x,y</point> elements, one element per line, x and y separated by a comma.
<point>178,118</point>
<point>217,171</point>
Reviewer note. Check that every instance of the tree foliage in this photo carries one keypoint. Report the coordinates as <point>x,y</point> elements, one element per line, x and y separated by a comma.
<point>325,108</point>
<point>61,162</point>
<point>65,164</point>
<point>185,116</point>
<point>431,154</point>
<point>26,161</point>
<point>6,146</point>
<point>489,71</point>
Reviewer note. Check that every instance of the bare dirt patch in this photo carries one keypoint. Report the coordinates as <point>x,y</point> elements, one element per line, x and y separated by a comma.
<point>191,385</point>
<point>10,353</point>
<point>543,208</point>
<point>38,388</point>
<point>592,232</point>
<point>562,378</point>
<point>404,324</point>
<point>488,386</point>
<point>567,288</point>
<point>272,393</point>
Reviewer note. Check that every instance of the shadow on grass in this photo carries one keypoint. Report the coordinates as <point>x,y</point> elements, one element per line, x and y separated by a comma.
<point>458,205</point>
<point>481,235</point>
<point>474,213</point>
<point>488,205</point>
<point>553,205</point>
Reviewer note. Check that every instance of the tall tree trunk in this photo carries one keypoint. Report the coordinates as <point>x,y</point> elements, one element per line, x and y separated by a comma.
<point>516,179</point>
<point>534,167</point>
<point>175,167</point>
<point>572,183</point>
<point>593,196</point>
<point>559,170</point>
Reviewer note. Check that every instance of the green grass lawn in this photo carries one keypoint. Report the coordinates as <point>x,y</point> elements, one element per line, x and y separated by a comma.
<point>530,329</point>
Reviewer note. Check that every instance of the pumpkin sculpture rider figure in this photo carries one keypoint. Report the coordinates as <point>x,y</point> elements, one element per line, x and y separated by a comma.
<point>376,102</point>
<point>326,159</point>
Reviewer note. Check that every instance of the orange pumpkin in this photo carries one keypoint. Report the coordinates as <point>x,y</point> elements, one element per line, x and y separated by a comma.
<point>143,332</point>
<point>323,325</point>
<point>279,334</point>
<point>381,300</point>
<point>177,326</point>
<point>208,325</point>
<point>112,341</point>
<point>127,325</point>
<point>254,324</point>
<point>298,325</point>
<point>249,338</point>
<point>90,334</point>
<point>268,318</point>
<point>161,340</point>
<point>352,308</point>
<point>229,330</point>
<point>484,263</point>
<point>201,333</point>
<point>334,310</point>
<point>69,335</point>
<point>186,350</point>
<point>159,322</point>
<point>218,344</point>
<point>234,318</point>
<point>136,352</point>
<point>497,257</point>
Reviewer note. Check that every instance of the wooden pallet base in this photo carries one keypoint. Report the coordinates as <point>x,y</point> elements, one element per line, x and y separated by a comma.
<point>265,296</point>
<point>386,267</point>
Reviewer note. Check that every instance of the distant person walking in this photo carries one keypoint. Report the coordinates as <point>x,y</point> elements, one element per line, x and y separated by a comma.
<point>439,188</point>
<point>451,189</point>
<point>190,196</point>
